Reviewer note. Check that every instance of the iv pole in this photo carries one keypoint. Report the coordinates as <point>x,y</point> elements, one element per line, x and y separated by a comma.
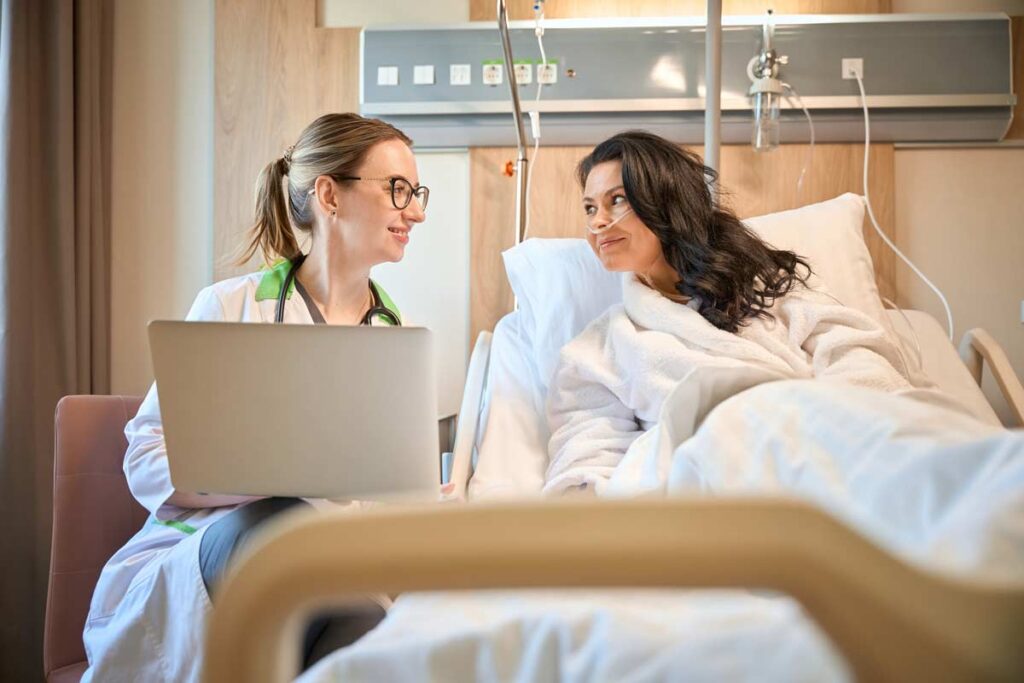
<point>517,113</point>
<point>713,90</point>
<point>712,99</point>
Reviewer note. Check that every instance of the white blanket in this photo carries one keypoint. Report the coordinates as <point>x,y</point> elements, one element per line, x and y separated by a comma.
<point>911,471</point>
<point>907,467</point>
<point>613,379</point>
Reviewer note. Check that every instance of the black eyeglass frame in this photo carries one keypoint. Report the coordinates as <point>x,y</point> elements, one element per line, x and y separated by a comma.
<point>392,180</point>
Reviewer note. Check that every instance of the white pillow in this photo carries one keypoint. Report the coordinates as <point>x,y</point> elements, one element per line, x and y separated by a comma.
<point>830,235</point>
<point>562,286</point>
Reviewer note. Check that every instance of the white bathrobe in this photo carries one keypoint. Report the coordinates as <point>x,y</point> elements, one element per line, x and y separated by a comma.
<point>612,379</point>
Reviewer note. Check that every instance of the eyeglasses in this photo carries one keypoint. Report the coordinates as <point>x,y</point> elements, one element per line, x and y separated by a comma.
<point>402,191</point>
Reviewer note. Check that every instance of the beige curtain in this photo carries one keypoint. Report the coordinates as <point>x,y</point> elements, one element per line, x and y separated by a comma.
<point>55,114</point>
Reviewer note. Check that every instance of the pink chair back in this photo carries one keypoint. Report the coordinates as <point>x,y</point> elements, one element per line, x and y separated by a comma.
<point>94,514</point>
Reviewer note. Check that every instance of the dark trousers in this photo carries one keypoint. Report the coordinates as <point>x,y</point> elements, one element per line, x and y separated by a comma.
<point>326,632</point>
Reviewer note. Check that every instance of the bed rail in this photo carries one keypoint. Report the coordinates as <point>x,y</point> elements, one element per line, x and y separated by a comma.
<point>891,621</point>
<point>978,348</point>
<point>469,415</point>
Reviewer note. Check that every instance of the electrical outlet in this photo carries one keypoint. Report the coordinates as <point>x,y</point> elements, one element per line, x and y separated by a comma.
<point>853,67</point>
<point>524,73</point>
<point>493,73</point>
<point>460,74</point>
<point>547,74</point>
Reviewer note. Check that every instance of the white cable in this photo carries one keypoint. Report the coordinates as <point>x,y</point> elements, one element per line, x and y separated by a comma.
<point>874,222</point>
<point>810,150</point>
<point>538,30</point>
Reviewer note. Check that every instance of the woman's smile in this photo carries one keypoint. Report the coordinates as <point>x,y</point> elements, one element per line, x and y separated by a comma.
<point>611,242</point>
<point>401,234</point>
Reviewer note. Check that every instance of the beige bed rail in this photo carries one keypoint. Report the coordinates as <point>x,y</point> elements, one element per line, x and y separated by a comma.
<point>978,348</point>
<point>891,621</point>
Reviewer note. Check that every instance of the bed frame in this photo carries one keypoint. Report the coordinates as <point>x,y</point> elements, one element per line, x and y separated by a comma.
<point>890,620</point>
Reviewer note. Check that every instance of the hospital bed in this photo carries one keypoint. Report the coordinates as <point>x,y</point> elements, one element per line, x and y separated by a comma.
<point>890,619</point>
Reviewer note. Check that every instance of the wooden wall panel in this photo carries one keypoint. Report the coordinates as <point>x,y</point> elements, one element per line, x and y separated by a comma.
<point>275,72</point>
<point>484,10</point>
<point>1016,131</point>
<point>754,184</point>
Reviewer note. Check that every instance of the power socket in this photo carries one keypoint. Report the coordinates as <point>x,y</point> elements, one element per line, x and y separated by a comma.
<point>853,67</point>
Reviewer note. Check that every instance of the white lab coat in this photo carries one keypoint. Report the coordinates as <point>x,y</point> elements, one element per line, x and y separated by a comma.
<point>148,611</point>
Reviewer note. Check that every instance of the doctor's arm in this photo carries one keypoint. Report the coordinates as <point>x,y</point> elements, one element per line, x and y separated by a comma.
<point>591,430</point>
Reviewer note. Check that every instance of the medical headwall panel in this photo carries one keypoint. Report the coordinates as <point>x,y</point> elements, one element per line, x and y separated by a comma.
<point>927,78</point>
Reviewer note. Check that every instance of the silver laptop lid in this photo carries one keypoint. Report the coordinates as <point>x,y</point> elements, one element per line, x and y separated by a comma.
<point>315,411</point>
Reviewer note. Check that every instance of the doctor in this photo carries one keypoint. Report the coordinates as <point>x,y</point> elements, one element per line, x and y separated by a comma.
<point>351,184</point>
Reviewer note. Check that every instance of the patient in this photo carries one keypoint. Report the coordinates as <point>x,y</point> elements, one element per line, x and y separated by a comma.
<point>701,290</point>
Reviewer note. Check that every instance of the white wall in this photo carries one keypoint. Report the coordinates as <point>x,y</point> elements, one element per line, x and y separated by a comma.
<point>431,284</point>
<point>162,200</point>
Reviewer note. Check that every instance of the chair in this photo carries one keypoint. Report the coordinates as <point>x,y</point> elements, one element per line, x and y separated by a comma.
<point>94,514</point>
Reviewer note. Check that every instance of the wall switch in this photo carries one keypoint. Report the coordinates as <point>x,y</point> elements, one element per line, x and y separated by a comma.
<point>460,74</point>
<point>853,67</point>
<point>493,74</point>
<point>387,75</point>
<point>547,73</point>
<point>423,74</point>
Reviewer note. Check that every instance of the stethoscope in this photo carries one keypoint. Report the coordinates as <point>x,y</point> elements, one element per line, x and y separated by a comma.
<point>377,310</point>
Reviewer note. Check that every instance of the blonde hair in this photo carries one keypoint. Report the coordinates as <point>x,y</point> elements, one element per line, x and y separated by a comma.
<point>333,145</point>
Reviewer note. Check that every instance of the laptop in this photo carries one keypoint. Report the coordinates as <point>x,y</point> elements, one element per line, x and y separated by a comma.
<point>312,411</point>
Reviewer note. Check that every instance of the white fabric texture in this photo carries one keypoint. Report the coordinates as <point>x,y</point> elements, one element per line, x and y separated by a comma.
<point>561,286</point>
<point>612,380</point>
<point>909,470</point>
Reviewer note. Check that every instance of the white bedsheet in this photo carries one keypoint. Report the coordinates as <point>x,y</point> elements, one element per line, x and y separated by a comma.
<point>913,472</point>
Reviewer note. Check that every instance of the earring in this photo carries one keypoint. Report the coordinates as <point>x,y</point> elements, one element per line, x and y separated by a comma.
<point>334,213</point>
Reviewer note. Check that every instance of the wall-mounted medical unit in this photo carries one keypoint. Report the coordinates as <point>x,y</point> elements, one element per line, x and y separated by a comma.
<point>926,77</point>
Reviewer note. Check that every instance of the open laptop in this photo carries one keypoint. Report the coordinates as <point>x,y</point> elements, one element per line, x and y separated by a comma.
<point>314,411</point>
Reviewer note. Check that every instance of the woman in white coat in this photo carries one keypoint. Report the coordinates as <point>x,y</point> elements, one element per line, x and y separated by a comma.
<point>352,184</point>
<point>699,290</point>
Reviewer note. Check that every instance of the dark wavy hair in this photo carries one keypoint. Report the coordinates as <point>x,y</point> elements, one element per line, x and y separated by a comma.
<point>733,272</point>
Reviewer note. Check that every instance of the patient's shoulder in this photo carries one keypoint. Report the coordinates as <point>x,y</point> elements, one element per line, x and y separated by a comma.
<point>592,344</point>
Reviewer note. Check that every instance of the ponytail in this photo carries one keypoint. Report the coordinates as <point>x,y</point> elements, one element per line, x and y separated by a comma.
<point>272,232</point>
